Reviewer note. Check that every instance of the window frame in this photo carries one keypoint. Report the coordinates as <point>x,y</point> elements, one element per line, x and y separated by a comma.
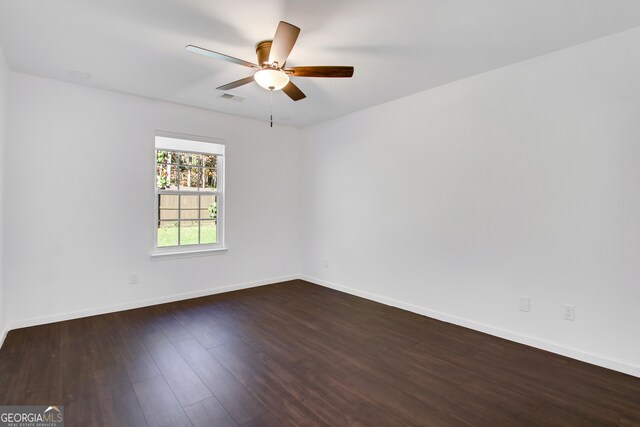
<point>219,193</point>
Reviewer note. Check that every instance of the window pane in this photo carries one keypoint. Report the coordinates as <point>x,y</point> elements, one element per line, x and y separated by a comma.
<point>208,207</point>
<point>189,207</point>
<point>162,156</point>
<point>168,201</point>
<point>190,159</point>
<point>182,158</point>
<point>172,180</point>
<point>161,177</point>
<point>166,177</point>
<point>210,161</point>
<point>188,232</point>
<point>166,157</point>
<point>189,178</point>
<point>209,179</point>
<point>168,214</point>
<point>167,233</point>
<point>188,214</point>
<point>208,232</point>
<point>172,157</point>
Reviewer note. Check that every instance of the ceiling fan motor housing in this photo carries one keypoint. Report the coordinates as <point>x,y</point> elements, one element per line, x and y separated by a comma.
<point>262,50</point>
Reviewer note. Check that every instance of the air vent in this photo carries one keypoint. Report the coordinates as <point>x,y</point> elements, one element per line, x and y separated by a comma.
<point>234,98</point>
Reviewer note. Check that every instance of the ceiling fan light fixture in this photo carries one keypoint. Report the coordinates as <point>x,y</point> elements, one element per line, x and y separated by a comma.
<point>269,71</point>
<point>271,79</point>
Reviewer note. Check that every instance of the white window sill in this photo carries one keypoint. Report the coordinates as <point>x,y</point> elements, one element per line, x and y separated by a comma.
<point>188,253</point>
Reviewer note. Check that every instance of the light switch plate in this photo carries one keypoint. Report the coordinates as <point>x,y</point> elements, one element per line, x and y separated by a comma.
<point>569,312</point>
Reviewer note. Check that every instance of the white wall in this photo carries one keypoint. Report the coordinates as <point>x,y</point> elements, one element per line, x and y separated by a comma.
<point>79,202</point>
<point>4,97</point>
<point>521,181</point>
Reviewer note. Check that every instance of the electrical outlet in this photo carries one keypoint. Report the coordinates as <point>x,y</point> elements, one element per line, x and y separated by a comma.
<point>524,304</point>
<point>569,312</point>
<point>133,278</point>
<point>326,263</point>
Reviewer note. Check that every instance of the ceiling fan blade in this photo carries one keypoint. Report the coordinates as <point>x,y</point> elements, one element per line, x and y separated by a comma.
<point>293,92</point>
<point>322,71</point>
<point>283,41</point>
<point>216,55</point>
<point>237,83</point>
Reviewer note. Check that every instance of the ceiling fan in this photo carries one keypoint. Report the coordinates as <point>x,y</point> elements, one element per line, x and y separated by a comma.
<point>271,71</point>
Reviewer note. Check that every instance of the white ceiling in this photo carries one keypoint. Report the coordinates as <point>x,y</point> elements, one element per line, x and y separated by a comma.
<point>397,47</point>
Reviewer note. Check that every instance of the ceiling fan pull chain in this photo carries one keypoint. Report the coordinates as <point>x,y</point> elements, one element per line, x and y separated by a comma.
<point>271,104</point>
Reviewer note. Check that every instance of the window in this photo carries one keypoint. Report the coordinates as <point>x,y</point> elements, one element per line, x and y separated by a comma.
<point>189,194</point>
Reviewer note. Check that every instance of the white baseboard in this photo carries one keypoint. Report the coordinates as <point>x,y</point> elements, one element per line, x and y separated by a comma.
<point>574,353</point>
<point>142,303</point>
<point>4,335</point>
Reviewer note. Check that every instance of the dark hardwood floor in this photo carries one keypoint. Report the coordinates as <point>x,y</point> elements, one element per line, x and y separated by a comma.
<point>296,354</point>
